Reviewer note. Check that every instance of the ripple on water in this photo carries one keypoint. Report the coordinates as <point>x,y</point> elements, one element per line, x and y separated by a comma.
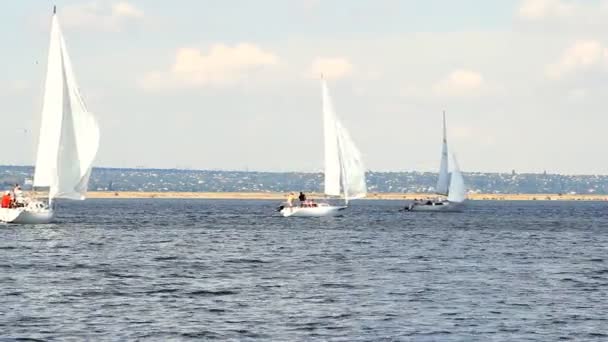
<point>212,293</point>
<point>233,270</point>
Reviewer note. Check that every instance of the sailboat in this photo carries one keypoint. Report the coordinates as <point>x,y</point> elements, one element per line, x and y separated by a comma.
<point>68,141</point>
<point>451,188</point>
<point>344,169</point>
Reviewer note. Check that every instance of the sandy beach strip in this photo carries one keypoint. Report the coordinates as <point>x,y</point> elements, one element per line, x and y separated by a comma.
<point>373,196</point>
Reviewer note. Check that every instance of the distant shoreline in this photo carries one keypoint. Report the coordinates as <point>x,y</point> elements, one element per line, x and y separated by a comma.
<point>372,196</point>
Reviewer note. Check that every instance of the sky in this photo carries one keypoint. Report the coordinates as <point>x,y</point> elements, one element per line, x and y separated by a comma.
<point>234,84</point>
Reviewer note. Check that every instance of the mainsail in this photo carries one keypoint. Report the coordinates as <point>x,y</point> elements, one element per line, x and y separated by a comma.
<point>343,162</point>
<point>457,191</point>
<point>332,157</point>
<point>353,170</point>
<point>69,133</point>
<point>52,109</point>
<point>443,182</point>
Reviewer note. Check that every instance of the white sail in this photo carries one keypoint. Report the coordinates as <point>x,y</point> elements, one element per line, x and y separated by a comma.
<point>52,109</point>
<point>343,162</point>
<point>457,193</point>
<point>69,133</point>
<point>353,170</point>
<point>332,157</point>
<point>442,183</point>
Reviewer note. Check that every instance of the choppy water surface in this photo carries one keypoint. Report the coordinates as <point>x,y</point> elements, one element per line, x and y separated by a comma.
<point>203,270</point>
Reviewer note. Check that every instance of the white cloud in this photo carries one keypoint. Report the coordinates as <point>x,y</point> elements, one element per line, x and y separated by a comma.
<point>571,15</point>
<point>331,67</point>
<point>126,10</point>
<point>310,4</point>
<point>16,86</point>
<point>95,16</point>
<point>542,9</point>
<point>20,85</point>
<point>577,96</point>
<point>583,55</point>
<point>461,131</point>
<point>223,65</point>
<point>460,82</point>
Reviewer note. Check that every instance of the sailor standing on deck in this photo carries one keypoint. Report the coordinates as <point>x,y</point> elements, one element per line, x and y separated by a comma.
<point>18,193</point>
<point>290,199</point>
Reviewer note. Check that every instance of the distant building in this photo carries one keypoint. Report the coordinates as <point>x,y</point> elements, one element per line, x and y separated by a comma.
<point>240,181</point>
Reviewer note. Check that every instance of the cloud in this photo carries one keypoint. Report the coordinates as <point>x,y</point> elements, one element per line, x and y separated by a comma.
<point>577,96</point>
<point>95,16</point>
<point>578,15</point>
<point>126,10</point>
<point>542,9</point>
<point>331,67</point>
<point>222,65</point>
<point>460,82</point>
<point>462,131</point>
<point>309,5</point>
<point>16,86</point>
<point>583,55</point>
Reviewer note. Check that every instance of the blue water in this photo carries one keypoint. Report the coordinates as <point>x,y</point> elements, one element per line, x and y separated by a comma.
<point>234,270</point>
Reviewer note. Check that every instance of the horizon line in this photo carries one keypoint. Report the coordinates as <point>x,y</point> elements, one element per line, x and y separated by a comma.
<point>317,172</point>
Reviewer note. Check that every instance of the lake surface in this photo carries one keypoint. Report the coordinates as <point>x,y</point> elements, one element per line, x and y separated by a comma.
<point>235,270</point>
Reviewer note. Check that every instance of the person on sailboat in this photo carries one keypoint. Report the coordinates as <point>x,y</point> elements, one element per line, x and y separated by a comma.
<point>18,195</point>
<point>6,199</point>
<point>302,198</point>
<point>290,199</point>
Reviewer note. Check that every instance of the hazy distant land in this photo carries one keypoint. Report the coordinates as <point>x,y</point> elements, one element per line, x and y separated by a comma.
<point>175,183</point>
<point>373,196</point>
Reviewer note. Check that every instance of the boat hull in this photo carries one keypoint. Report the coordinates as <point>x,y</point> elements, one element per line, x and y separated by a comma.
<point>320,211</point>
<point>26,215</point>
<point>435,207</point>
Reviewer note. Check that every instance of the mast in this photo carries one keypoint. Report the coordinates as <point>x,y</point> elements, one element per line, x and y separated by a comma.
<point>445,135</point>
<point>443,180</point>
<point>330,144</point>
<point>50,198</point>
<point>343,173</point>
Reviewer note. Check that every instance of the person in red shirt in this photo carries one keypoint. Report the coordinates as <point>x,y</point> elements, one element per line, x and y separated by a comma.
<point>6,200</point>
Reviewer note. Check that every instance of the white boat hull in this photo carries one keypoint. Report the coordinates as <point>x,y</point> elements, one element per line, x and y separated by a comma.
<point>26,215</point>
<point>435,207</point>
<point>320,211</point>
